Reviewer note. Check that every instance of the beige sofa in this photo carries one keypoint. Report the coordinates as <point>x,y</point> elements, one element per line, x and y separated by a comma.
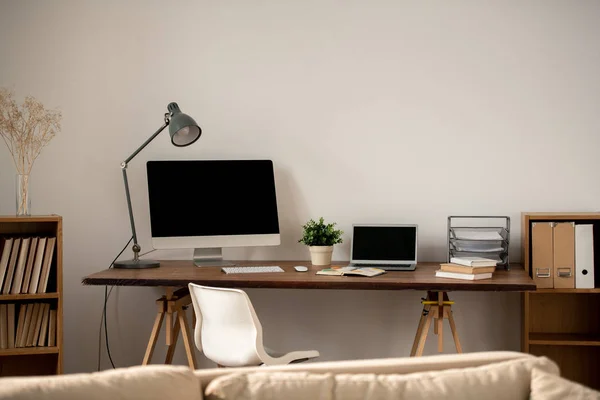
<point>487,375</point>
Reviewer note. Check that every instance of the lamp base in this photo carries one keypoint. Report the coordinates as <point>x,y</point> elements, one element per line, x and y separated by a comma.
<point>136,264</point>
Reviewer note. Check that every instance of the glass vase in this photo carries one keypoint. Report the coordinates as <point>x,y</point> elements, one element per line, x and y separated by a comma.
<point>23,200</point>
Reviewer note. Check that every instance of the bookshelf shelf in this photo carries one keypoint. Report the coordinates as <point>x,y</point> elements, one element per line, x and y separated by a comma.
<point>34,320</point>
<point>36,296</point>
<point>564,339</point>
<point>26,351</point>
<point>567,291</point>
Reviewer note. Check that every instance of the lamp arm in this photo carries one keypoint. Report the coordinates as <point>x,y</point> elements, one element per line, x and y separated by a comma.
<point>136,247</point>
<point>151,138</point>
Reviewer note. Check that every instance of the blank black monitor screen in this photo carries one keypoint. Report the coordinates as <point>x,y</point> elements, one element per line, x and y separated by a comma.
<point>212,198</point>
<point>393,243</point>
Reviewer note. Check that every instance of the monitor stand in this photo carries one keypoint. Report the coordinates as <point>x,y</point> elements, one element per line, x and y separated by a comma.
<point>211,257</point>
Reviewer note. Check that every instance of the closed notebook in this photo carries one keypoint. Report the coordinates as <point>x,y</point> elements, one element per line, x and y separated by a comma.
<point>474,261</point>
<point>462,269</point>
<point>339,271</point>
<point>467,277</point>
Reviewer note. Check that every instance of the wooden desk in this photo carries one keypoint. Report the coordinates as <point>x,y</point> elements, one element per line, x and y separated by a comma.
<point>174,274</point>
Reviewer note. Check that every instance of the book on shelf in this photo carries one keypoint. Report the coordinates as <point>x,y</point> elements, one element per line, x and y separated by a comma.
<point>29,266</point>
<point>52,329</point>
<point>11,325</point>
<point>12,262</point>
<point>38,324</point>
<point>4,258</point>
<point>351,271</point>
<point>3,327</point>
<point>474,261</point>
<point>463,269</point>
<point>20,324</point>
<point>45,273</point>
<point>44,326</point>
<point>32,324</point>
<point>22,339</point>
<point>457,275</point>
<point>37,265</point>
<point>20,267</point>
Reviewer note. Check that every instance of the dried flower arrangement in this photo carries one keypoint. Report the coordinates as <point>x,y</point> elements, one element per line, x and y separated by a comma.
<point>26,129</point>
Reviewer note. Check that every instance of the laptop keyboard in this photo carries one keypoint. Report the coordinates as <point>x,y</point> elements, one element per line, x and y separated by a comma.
<point>386,267</point>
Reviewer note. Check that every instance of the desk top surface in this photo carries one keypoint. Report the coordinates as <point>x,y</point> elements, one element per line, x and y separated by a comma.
<point>178,273</point>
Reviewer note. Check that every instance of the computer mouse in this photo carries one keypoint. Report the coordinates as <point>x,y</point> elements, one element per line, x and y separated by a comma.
<point>300,268</point>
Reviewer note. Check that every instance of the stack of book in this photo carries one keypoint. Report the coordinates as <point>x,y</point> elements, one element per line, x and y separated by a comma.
<point>25,264</point>
<point>467,268</point>
<point>33,325</point>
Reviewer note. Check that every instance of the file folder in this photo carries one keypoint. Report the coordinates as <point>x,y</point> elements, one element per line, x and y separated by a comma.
<point>564,255</point>
<point>584,256</point>
<point>542,254</point>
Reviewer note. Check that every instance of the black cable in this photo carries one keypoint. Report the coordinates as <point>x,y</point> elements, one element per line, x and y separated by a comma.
<point>106,295</point>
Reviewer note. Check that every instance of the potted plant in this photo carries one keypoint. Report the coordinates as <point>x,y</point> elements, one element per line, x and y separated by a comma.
<point>320,237</point>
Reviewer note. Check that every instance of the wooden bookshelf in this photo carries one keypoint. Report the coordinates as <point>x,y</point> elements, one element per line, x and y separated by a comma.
<point>32,359</point>
<point>564,339</point>
<point>562,323</point>
<point>25,351</point>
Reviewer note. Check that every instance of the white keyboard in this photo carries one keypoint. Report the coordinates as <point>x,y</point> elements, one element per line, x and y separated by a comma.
<point>251,269</point>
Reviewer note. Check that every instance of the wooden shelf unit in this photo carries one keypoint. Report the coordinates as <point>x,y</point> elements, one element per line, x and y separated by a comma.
<point>48,360</point>
<point>564,339</point>
<point>562,324</point>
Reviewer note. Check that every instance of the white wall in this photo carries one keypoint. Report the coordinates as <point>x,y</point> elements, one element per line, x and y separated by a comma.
<point>381,111</point>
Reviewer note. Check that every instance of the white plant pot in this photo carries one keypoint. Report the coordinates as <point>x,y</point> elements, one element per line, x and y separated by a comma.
<point>321,255</point>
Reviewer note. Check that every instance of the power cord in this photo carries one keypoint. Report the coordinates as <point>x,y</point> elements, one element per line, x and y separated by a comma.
<point>103,318</point>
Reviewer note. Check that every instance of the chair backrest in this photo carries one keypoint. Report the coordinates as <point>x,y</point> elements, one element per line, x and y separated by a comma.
<point>227,328</point>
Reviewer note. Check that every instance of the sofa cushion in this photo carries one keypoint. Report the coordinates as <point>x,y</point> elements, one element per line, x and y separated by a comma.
<point>503,380</point>
<point>551,387</point>
<point>399,365</point>
<point>153,382</point>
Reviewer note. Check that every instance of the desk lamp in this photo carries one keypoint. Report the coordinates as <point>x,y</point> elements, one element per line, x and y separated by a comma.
<point>184,131</point>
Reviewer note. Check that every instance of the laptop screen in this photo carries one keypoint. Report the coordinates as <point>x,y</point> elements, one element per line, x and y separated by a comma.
<point>384,243</point>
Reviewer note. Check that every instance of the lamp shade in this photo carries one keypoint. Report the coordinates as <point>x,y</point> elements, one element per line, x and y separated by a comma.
<point>182,128</point>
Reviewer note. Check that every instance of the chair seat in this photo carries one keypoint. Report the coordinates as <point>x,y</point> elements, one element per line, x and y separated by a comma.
<point>227,323</point>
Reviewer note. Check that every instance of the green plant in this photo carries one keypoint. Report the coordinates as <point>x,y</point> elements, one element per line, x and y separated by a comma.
<point>320,234</point>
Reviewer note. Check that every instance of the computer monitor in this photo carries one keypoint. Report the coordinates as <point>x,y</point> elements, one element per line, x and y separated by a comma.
<point>211,204</point>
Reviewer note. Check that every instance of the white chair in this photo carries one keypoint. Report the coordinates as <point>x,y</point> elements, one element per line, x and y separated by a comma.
<point>229,332</point>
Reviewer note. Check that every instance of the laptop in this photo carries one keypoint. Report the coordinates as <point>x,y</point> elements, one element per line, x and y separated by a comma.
<point>389,247</point>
